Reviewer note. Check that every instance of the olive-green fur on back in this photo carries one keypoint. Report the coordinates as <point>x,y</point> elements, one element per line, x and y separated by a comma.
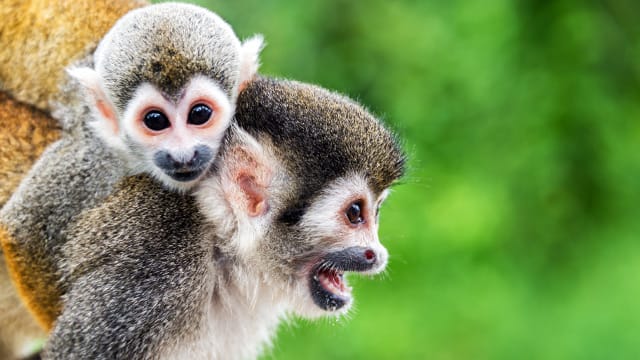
<point>155,214</point>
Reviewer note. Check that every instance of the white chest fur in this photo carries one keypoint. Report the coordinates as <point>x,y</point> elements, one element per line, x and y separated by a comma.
<point>238,322</point>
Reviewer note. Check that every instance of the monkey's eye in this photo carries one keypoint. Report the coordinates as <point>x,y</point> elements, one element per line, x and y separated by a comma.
<point>156,121</point>
<point>354,213</point>
<point>199,114</point>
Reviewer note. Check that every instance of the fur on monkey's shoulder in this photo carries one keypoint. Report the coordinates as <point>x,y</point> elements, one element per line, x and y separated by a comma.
<point>138,205</point>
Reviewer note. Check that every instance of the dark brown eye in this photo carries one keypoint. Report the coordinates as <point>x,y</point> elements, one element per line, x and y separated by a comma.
<point>354,213</point>
<point>156,121</point>
<point>199,114</point>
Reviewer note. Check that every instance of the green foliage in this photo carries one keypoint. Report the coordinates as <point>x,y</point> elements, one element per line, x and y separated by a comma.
<point>516,233</point>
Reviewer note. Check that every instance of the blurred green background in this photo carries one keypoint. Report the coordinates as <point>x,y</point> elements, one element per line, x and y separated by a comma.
<point>516,232</point>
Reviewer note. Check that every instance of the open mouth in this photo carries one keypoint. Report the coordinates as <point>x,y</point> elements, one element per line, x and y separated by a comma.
<point>329,289</point>
<point>185,175</point>
<point>328,286</point>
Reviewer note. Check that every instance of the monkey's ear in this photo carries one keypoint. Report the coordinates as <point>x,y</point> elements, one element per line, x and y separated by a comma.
<point>247,176</point>
<point>107,123</point>
<point>250,59</point>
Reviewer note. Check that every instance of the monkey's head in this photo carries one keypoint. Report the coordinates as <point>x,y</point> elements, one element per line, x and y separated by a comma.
<point>305,176</point>
<point>163,88</point>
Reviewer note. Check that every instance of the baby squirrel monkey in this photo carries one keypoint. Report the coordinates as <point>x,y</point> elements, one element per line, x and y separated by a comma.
<point>163,89</point>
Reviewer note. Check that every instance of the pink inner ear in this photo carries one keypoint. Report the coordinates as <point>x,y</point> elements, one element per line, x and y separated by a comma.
<point>242,86</point>
<point>254,193</point>
<point>108,114</point>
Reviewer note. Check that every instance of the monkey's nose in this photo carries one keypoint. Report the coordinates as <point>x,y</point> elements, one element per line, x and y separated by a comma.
<point>375,257</point>
<point>180,162</point>
<point>173,162</point>
<point>193,160</point>
<point>370,256</point>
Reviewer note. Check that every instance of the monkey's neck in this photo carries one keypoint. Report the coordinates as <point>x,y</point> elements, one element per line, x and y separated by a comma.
<point>243,309</point>
<point>251,310</point>
<point>239,317</point>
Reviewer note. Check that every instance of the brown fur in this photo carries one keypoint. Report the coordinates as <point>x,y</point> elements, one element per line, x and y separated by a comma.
<point>39,38</point>
<point>25,133</point>
<point>21,327</point>
<point>36,286</point>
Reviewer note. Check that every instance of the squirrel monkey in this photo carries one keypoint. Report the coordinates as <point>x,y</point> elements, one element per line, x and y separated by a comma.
<point>163,89</point>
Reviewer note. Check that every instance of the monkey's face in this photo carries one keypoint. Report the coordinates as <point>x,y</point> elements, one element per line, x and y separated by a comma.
<point>305,191</point>
<point>339,235</point>
<point>175,138</point>
<point>163,86</point>
<point>303,251</point>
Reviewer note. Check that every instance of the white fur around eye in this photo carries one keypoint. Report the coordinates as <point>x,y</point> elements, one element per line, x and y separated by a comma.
<point>145,98</point>
<point>325,217</point>
<point>206,91</point>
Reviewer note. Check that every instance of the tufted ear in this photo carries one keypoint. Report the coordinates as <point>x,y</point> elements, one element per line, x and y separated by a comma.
<point>106,124</point>
<point>250,60</point>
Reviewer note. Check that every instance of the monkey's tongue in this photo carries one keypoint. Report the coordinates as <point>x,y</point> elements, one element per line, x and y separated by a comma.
<point>333,281</point>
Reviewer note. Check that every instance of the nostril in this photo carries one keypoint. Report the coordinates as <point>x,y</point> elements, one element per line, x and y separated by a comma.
<point>175,163</point>
<point>370,255</point>
<point>171,160</point>
<point>194,158</point>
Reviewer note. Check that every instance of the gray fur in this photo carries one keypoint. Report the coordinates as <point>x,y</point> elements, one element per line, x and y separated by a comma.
<point>340,134</point>
<point>131,294</point>
<point>71,108</point>
<point>178,42</point>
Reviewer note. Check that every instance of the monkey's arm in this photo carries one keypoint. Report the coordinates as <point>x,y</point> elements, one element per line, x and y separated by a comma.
<point>132,297</point>
<point>73,174</point>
